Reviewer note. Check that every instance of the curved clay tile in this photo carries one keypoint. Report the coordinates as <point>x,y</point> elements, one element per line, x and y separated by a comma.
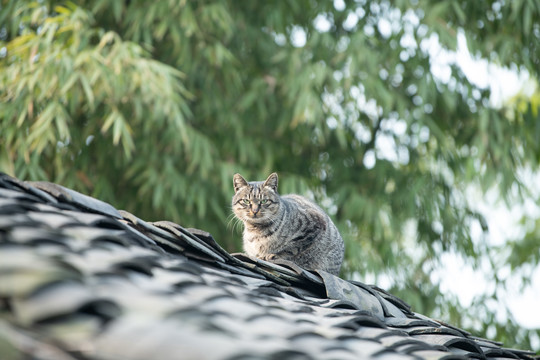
<point>82,280</point>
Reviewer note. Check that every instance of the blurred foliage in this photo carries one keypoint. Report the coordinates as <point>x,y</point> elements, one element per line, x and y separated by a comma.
<point>153,106</point>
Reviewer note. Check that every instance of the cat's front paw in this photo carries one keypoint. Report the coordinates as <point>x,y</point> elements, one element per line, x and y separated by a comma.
<point>269,257</point>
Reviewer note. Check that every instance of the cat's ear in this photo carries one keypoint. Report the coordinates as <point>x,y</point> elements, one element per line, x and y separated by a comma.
<point>272,182</point>
<point>238,182</point>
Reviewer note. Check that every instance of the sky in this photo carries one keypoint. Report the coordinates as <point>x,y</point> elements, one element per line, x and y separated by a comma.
<point>503,222</point>
<point>456,276</point>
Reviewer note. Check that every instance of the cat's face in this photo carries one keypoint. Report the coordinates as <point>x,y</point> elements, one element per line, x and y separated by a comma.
<point>255,202</point>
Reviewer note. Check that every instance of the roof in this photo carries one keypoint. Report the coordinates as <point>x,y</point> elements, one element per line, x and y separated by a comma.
<point>83,280</point>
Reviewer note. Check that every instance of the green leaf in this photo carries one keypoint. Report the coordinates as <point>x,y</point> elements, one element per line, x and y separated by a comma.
<point>193,92</point>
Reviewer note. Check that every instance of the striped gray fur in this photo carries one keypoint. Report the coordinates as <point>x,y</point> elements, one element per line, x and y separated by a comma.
<point>286,227</point>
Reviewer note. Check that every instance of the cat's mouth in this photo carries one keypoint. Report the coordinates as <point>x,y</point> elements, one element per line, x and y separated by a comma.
<point>255,216</point>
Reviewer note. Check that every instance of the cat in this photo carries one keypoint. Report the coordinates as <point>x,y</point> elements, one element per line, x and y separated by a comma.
<point>286,227</point>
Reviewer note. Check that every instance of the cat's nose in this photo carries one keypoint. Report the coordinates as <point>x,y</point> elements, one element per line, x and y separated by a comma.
<point>255,209</point>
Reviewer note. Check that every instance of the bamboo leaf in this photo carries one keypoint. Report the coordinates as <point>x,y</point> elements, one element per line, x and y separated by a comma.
<point>193,92</point>
<point>87,91</point>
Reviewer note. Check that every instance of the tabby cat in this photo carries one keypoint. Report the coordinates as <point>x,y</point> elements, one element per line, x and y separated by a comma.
<point>286,227</point>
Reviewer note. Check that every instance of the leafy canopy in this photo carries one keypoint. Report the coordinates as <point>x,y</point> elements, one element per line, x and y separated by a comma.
<point>152,106</point>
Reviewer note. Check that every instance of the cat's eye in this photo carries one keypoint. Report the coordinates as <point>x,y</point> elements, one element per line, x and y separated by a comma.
<point>246,201</point>
<point>264,201</point>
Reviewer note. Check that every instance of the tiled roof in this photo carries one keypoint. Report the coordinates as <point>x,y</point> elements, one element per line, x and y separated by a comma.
<point>82,280</point>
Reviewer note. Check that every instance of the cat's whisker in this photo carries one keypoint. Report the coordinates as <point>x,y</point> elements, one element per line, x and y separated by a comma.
<point>232,222</point>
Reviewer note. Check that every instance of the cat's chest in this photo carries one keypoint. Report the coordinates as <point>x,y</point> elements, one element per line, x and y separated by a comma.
<point>259,245</point>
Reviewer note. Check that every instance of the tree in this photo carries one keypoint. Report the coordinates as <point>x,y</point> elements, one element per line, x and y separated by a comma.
<point>153,106</point>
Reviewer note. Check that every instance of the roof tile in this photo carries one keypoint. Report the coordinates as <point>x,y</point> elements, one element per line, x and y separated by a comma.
<point>83,280</point>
